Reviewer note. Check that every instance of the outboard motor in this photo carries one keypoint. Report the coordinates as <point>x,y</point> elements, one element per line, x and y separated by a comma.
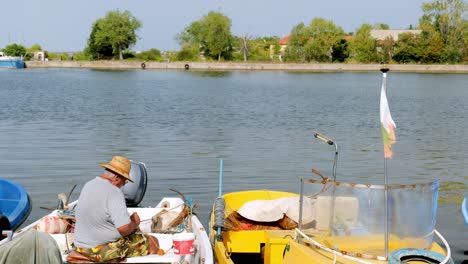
<point>4,225</point>
<point>135,191</point>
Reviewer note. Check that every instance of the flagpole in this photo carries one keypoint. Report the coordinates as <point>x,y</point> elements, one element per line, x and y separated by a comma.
<point>384,80</point>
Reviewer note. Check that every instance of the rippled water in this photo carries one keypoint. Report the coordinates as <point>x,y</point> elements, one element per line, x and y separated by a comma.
<point>56,125</point>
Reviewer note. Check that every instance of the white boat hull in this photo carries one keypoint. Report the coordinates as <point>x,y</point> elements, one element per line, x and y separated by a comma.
<point>203,250</point>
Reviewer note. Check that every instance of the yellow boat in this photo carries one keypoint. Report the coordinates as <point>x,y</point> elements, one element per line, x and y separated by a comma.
<point>330,221</point>
<point>275,246</point>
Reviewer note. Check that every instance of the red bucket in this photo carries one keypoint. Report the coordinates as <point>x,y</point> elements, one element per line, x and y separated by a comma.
<point>183,243</point>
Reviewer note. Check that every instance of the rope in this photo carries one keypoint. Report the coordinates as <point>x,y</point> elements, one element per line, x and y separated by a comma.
<point>219,207</point>
<point>330,250</point>
<point>449,253</point>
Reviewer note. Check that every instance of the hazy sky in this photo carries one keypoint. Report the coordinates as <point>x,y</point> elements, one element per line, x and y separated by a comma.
<point>64,25</point>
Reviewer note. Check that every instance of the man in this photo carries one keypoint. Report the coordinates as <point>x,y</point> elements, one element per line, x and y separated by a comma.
<point>104,230</point>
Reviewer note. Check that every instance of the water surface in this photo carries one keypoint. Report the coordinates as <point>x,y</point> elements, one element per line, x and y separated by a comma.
<point>56,125</point>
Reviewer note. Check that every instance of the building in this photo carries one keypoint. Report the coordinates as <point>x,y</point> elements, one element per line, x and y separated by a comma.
<point>382,34</point>
<point>39,56</point>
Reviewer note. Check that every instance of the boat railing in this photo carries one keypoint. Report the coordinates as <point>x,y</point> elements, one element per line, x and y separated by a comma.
<point>349,212</point>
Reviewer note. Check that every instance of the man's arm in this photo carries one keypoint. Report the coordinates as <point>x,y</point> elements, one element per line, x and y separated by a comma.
<point>131,227</point>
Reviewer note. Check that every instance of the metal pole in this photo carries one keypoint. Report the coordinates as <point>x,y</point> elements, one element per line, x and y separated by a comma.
<point>335,161</point>
<point>301,200</point>
<point>331,143</point>
<point>384,77</point>
<point>220,189</point>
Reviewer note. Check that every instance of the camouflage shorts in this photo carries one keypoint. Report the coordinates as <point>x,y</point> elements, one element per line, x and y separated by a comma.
<point>130,246</point>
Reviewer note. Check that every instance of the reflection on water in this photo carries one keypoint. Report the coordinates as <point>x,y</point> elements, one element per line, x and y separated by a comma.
<point>211,73</point>
<point>56,125</point>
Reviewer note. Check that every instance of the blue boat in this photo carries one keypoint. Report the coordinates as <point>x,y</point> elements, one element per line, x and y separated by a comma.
<point>10,61</point>
<point>15,205</point>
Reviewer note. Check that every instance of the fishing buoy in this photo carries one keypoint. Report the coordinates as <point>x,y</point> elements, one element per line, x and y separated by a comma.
<point>187,66</point>
<point>406,255</point>
<point>4,225</point>
<point>143,65</point>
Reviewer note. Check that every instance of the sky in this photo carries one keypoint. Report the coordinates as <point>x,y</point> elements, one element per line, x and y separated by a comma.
<point>65,25</point>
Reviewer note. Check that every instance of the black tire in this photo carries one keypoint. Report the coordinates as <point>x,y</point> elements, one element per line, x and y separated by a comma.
<point>187,66</point>
<point>143,65</point>
<point>4,225</point>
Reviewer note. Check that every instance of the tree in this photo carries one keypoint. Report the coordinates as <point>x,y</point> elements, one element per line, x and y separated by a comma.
<point>257,49</point>
<point>340,51</point>
<point>295,49</point>
<point>385,49</point>
<point>324,34</point>
<point>150,55</point>
<point>381,26</point>
<point>15,50</point>
<point>314,42</point>
<point>98,50</point>
<point>406,49</point>
<point>363,47</point>
<point>35,48</point>
<point>116,32</point>
<point>431,45</point>
<point>212,34</point>
<point>244,45</point>
<point>188,53</point>
<point>447,16</point>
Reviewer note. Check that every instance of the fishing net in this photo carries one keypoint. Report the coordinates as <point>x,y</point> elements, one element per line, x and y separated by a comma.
<point>174,219</point>
<point>354,215</point>
<point>171,221</point>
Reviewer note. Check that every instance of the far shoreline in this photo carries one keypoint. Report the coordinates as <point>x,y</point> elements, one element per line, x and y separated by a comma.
<point>248,66</point>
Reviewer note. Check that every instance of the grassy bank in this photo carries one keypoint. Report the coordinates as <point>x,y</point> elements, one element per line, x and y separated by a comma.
<point>308,67</point>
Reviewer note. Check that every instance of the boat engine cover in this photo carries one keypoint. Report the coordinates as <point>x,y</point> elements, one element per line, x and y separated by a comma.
<point>135,191</point>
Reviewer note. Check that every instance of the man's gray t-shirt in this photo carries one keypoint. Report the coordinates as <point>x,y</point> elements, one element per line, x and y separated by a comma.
<point>101,209</point>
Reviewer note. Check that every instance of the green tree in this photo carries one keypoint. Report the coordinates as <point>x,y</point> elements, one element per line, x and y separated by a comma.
<point>314,42</point>
<point>35,48</point>
<point>260,49</point>
<point>212,34</point>
<point>340,51</point>
<point>15,50</point>
<point>447,16</point>
<point>295,49</point>
<point>381,26</point>
<point>97,50</point>
<point>363,47</point>
<point>406,49</point>
<point>430,44</point>
<point>150,55</point>
<point>324,34</point>
<point>81,56</point>
<point>116,32</point>
<point>385,49</point>
<point>188,53</point>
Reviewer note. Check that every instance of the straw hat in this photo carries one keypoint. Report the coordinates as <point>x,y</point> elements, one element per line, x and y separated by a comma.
<point>120,165</point>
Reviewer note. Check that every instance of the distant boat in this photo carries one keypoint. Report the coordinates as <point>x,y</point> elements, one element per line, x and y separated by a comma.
<point>11,61</point>
<point>15,205</point>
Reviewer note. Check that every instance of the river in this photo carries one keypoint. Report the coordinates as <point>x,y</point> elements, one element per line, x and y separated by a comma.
<point>56,125</point>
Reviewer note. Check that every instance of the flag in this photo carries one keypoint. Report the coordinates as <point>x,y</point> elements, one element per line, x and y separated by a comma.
<point>386,122</point>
